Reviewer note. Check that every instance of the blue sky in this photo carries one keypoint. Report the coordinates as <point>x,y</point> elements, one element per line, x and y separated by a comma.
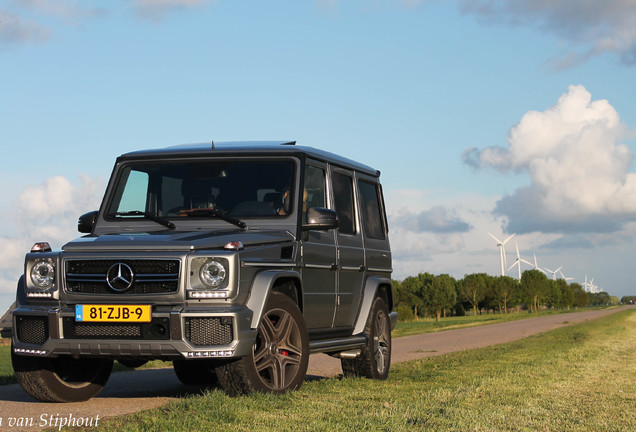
<point>483,115</point>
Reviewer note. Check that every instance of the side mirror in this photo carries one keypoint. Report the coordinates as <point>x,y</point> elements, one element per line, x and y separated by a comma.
<point>319,218</point>
<point>86,222</point>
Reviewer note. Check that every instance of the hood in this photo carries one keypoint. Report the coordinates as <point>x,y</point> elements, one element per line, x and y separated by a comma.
<point>174,240</point>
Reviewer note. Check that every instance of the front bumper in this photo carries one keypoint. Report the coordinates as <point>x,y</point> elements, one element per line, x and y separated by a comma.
<point>174,332</point>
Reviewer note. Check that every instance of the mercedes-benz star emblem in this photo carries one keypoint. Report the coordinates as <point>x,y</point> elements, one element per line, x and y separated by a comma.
<point>120,277</point>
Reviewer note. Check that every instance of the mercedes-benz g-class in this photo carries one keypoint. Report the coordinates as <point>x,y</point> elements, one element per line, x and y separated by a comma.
<point>235,261</point>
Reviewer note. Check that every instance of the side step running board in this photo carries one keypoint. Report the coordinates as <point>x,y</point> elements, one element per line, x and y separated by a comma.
<point>337,345</point>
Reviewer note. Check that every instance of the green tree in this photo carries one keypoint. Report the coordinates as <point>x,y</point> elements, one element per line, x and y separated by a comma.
<point>602,298</point>
<point>553,293</point>
<point>490,299</point>
<point>440,294</point>
<point>581,298</point>
<point>628,299</point>
<point>567,295</point>
<point>534,285</point>
<point>504,291</point>
<point>416,286</point>
<point>473,289</point>
<point>404,301</point>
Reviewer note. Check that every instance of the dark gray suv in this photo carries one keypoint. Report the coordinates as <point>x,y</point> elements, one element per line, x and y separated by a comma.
<point>236,261</point>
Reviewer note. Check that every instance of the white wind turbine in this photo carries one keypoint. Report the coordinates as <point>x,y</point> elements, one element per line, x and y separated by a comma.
<point>502,252</point>
<point>566,278</point>
<point>586,285</point>
<point>518,262</point>
<point>590,287</point>
<point>536,265</point>
<point>554,273</point>
<point>594,288</point>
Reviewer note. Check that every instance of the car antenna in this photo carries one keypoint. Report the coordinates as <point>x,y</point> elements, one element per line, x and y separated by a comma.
<point>213,145</point>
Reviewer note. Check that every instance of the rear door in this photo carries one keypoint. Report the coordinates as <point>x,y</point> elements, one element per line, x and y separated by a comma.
<point>374,227</point>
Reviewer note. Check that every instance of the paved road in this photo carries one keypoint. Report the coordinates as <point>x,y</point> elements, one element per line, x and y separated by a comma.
<point>127,392</point>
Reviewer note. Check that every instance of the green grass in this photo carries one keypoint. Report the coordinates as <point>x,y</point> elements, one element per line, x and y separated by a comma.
<point>6,370</point>
<point>577,378</point>
<point>430,325</point>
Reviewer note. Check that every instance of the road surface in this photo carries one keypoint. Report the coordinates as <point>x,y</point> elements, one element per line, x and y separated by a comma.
<point>128,392</point>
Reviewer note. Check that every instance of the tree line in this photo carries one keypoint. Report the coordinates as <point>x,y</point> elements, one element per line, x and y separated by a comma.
<point>427,295</point>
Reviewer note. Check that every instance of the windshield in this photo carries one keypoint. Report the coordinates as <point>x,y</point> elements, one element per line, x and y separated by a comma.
<point>181,189</point>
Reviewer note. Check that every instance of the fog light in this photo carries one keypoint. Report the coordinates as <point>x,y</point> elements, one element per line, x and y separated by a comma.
<point>204,354</point>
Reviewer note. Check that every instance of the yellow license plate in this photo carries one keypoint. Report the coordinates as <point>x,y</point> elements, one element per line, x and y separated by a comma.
<point>113,313</point>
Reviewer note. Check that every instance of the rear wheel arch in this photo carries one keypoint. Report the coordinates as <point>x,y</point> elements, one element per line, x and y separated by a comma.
<point>385,292</point>
<point>374,287</point>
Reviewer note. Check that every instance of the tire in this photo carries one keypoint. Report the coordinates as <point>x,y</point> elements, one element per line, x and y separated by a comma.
<point>61,379</point>
<point>278,361</point>
<point>196,372</point>
<point>375,359</point>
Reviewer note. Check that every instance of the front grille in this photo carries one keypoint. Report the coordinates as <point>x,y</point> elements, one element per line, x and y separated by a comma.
<point>209,331</point>
<point>150,276</point>
<point>157,329</point>
<point>33,330</point>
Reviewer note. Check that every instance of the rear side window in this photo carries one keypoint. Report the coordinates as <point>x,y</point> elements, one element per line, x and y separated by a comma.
<point>343,199</point>
<point>371,211</point>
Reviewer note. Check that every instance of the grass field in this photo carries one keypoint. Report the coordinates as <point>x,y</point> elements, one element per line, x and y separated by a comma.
<point>577,378</point>
<point>429,325</point>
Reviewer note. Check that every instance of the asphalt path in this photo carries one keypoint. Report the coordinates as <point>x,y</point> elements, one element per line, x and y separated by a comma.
<point>128,392</point>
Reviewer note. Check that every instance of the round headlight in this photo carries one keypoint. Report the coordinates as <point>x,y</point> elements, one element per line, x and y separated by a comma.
<point>212,274</point>
<point>43,274</point>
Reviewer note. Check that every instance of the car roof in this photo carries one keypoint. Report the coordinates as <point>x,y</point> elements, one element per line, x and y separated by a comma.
<point>242,148</point>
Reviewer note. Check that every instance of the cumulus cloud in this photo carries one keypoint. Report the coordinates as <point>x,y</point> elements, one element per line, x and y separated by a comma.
<point>59,8</point>
<point>29,21</point>
<point>578,168</point>
<point>436,220</point>
<point>45,212</point>
<point>594,26</point>
<point>156,9</point>
<point>15,30</point>
<point>26,21</point>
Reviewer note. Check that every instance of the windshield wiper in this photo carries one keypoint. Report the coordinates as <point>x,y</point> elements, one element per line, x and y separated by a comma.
<point>153,217</point>
<point>216,213</point>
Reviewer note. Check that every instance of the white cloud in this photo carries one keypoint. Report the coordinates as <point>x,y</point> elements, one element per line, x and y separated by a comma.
<point>46,212</point>
<point>595,26</point>
<point>14,29</point>
<point>577,165</point>
<point>59,8</point>
<point>27,21</point>
<point>437,219</point>
<point>429,232</point>
<point>156,9</point>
